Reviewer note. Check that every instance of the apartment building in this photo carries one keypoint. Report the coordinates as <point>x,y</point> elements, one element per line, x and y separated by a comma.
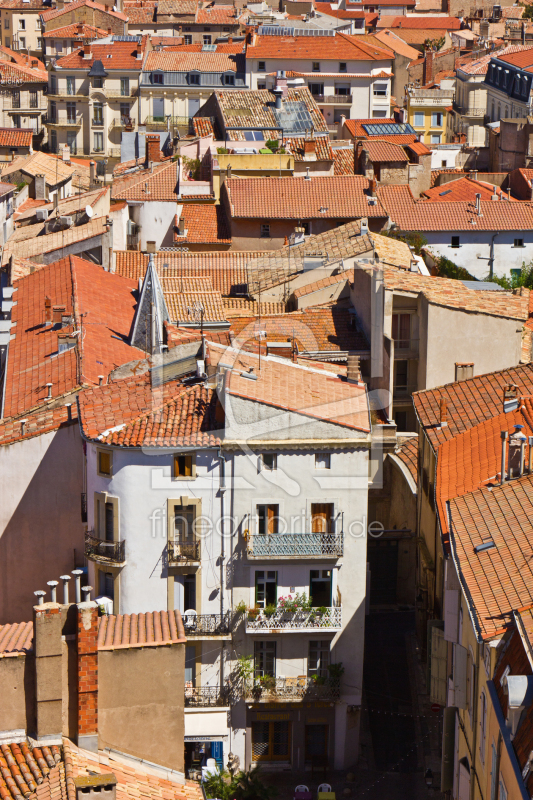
<point>175,83</point>
<point>21,25</point>
<point>85,12</point>
<point>251,555</point>
<point>347,75</point>
<point>508,82</point>
<point>93,96</point>
<point>60,42</point>
<point>23,100</point>
<point>427,110</point>
<point>194,22</point>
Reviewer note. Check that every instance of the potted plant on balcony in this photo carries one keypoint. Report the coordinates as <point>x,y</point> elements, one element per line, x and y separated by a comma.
<point>291,605</point>
<point>268,684</point>
<point>270,610</point>
<point>318,680</point>
<point>253,613</point>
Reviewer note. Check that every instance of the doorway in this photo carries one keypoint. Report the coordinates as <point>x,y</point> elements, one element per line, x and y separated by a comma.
<point>383,562</point>
<point>271,741</point>
<point>316,742</point>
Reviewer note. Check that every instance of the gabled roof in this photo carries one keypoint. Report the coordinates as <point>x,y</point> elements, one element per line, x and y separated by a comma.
<point>186,297</point>
<point>342,45</point>
<point>55,170</point>
<point>145,185</point>
<point>108,303</point>
<point>115,55</point>
<point>323,149</point>
<point>216,14</point>
<point>395,43</point>
<point>355,128</point>
<point>334,197</point>
<point>185,59</point>
<point>226,269</point>
<point>205,223</point>
<point>469,402</point>
<point>463,189</point>
<point>16,74</point>
<point>33,241</point>
<point>344,160</point>
<point>381,150</point>
<point>69,7</point>
<point>410,214</point>
<point>248,108</point>
<point>422,23</point>
<point>76,30</point>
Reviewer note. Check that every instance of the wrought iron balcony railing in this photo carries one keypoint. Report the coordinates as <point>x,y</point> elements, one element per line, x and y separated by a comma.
<point>207,624</point>
<point>291,689</point>
<point>205,696</point>
<point>182,550</point>
<point>100,550</point>
<point>310,619</point>
<point>334,99</point>
<point>296,545</point>
<point>63,121</point>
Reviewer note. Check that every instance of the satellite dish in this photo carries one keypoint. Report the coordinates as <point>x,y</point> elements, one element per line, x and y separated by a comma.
<point>89,211</point>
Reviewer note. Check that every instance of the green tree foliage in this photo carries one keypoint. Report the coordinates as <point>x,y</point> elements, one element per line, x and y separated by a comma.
<point>525,279</point>
<point>242,786</point>
<point>414,239</point>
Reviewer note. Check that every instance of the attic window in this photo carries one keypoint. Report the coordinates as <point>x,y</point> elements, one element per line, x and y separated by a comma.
<point>480,548</point>
<point>441,194</point>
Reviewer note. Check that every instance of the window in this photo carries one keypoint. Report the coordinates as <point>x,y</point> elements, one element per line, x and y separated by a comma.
<point>342,89</point>
<point>100,169</point>
<point>401,370</point>
<point>378,113</point>
<point>22,24</point>
<point>318,660</point>
<point>7,41</point>
<point>98,83</point>
<point>184,524</point>
<point>269,461</point>
<point>105,463</point>
<point>71,142</point>
<point>22,42</point>
<point>15,99</point>
<point>71,85</point>
<point>190,666</point>
<point>34,100</point>
<point>342,66</point>
<point>472,682</point>
<point>435,138</point>
<point>98,142</point>
<point>261,86</point>
<point>486,658</point>
<point>53,84</point>
<point>37,23</point>
<point>194,78</point>
<point>401,331</point>
<point>456,241</point>
<point>53,141</point>
<point>98,114</point>
<point>184,466</point>
<point>322,461</point>
<point>6,23</point>
<point>266,588</point>
<point>157,77</point>
<point>518,243</point>
<point>264,659</point>
<point>125,87</point>
<point>261,67</point>
<point>71,112</point>
<point>16,120</point>
<point>322,518</point>
<point>380,89</point>
<point>316,89</point>
<point>316,66</point>
<point>124,113</point>
<point>187,39</point>
<point>436,119</point>
<point>229,80</point>
<point>267,519</point>
<point>419,118</point>
<point>494,772</point>
<point>58,46</point>
<point>207,29</point>
<point>463,371</point>
<point>265,231</point>
<point>206,39</point>
<point>482,727</point>
<point>106,585</point>
<point>320,588</point>
<point>189,592</point>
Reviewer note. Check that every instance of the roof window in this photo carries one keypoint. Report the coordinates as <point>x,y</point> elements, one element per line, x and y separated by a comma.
<point>480,548</point>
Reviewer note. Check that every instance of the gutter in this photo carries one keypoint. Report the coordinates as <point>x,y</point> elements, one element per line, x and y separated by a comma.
<point>504,731</point>
<point>471,607</point>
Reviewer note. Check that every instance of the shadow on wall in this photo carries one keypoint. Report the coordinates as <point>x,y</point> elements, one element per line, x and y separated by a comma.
<point>42,536</point>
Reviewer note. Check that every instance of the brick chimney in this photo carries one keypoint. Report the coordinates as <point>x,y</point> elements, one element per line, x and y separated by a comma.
<point>353,371</point>
<point>443,412</point>
<point>309,147</point>
<point>281,82</point>
<point>57,314</point>
<point>47,311</point>
<point>153,148</point>
<point>428,67</point>
<point>87,644</point>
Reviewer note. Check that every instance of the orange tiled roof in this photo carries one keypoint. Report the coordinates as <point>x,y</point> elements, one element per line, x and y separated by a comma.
<point>436,172</point>
<point>33,241</point>
<point>344,161</point>
<point>16,639</point>
<point>18,74</point>
<point>292,387</point>
<point>83,288</point>
<point>339,197</point>
<point>185,293</point>
<point>382,150</point>
<point>215,14</point>
<point>191,57</point>
<point>352,48</point>
<point>239,307</point>
<point>408,454</point>
<point>140,16</point>
<point>423,22</point>
<point>54,13</point>
<point>154,628</point>
<point>226,269</point>
<point>118,55</point>
<point>187,419</point>
<point>323,283</point>
<point>420,215</point>
<point>463,189</point>
<point>521,58</point>
<point>23,769</point>
<point>339,13</point>
<point>355,129</point>
<point>76,30</point>
<point>204,224</point>
<point>161,184</point>
<point>389,39</point>
<point>419,148</point>
<point>16,137</point>
<point>469,402</point>
<point>203,126</point>
<point>323,149</point>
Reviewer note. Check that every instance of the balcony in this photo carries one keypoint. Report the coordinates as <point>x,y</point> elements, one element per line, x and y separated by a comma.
<point>183,551</point>
<point>296,545</point>
<point>207,624</point>
<point>468,112</point>
<point>334,99</point>
<point>69,97</point>
<point>113,553</point>
<point>402,392</point>
<point>60,121</point>
<point>206,696</point>
<point>314,619</point>
<point>98,122</point>
<point>289,690</point>
<point>116,93</point>
<point>123,123</point>
<point>168,123</point>
<point>406,348</point>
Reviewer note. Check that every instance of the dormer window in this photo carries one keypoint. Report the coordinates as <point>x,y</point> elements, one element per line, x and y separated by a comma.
<point>194,78</point>
<point>228,79</point>
<point>157,77</point>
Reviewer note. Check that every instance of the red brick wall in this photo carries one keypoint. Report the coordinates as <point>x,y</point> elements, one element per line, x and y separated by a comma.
<point>87,670</point>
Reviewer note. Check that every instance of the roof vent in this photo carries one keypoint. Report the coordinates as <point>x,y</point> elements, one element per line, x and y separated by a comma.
<point>480,548</point>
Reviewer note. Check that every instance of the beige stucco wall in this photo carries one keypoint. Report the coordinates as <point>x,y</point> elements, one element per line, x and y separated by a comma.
<point>138,715</point>
<point>17,693</point>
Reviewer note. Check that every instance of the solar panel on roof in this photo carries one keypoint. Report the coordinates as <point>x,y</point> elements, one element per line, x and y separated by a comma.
<point>388,129</point>
<point>313,32</point>
<point>125,38</point>
<point>274,30</point>
<point>209,48</point>
<point>293,117</point>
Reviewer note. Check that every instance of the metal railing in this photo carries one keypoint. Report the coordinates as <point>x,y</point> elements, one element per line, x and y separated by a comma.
<point>61,121</point>
<point>205,696</point>
<point>100,549</point>
<point>334,99</point>
<point>404,345</point>
<point>294,545</point>
<point>311,619</point>
<point>468,112</point>
<point>122,122</point>
<point>98,122</point>
<point>180,550</point>
<point>289,689</point>
<point>402,391</point>
<point>117,93</point>
<point>207,624</point>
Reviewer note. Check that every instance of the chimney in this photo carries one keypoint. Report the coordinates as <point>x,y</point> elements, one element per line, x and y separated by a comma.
<point>79,28</point>
<point>473,175</point>
<point>92,173</point>
<point>65,579</point>
<point>478,205</point>
<point>373,187</point>
<point>109,32</point>
<point>40,595</point>
<point>309,147</point>
<point>503,435</point>
<point>53,590</point>
<point>153,148</point>
<point>87,647</point>
<point>47,646</point>
<point>96,787</point>
<point>57,314</point>
<point>443,413</point>
<point>307,175</point>
<point>47,311</point>
<point>230,39</point>
<point>494,194</point>
<point>428,67</point>
<point>353,371</point>
<point>181,226</point>
<point>278,94</point>
<point>281,83</point>
<point>40,187</point>
<point>77,575</point>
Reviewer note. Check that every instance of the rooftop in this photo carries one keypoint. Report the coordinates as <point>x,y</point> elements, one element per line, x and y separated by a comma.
<point>379,150</point>
<point>76,30</point>
<point>423,22</point>
<point>342,45</point>
<point>395,43</point>
<point>55,170</point>
<point>409,456</point>
<point>192,57</point>
<point>17,74</point>
<point>113,55</point>
<point>204,224</point>
<point>33,241</point>
<point>159,185</point>
<point>70,7</point>
<point>464,189</point>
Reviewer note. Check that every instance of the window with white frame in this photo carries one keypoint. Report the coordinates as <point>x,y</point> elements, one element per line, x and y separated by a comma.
<point>419,118</point>
<point>436,119</point>
<point>318,659</point>
<point>435,138</point>
<point>381,89</point>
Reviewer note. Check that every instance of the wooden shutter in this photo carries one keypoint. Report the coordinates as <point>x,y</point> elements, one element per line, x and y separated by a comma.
<point>459,674</point>
<point>439,652</point>
<point>451,614</point>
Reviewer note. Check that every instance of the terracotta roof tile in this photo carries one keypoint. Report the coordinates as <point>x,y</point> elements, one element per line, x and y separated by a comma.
<point>204,224</point>
<point>23,769</point>
<point>118,55</point>
<point>352,48</point>
<point>323,283</point>
<point>408,455</point>
<point>215,14</point>
<point>420,215</point>
<point>339,13</point>
<point>77,30</point>
<point>16,137</point>
<point>323,149</point>
<point>55,13</point>
<point>140,630</point>
<point>463,189</point>
<point>227,270</point>
<point>53,169</point>
<point>344,160</point>
<point>240,307</point>
<point>423,22</point>
<point>389,39</point>
<point>203,126</point>
<point>32,240</point>
<point>16,639</point>
<point>383,150</point>
<point>159,185</point>
<point>16,74</point>
<point>184,60</point>
<point>185,294</point>
<point>451,171</point>
<point>339,197</point>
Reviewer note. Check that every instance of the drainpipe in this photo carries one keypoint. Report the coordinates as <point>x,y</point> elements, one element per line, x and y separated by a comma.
<point>491,255</point>
<point>475,755</point>
<point>222,489</point>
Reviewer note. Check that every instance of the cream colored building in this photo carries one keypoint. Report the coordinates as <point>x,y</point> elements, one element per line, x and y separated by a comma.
<point>93,97</point>
<point>23,101</point>
<point>21,25</point>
